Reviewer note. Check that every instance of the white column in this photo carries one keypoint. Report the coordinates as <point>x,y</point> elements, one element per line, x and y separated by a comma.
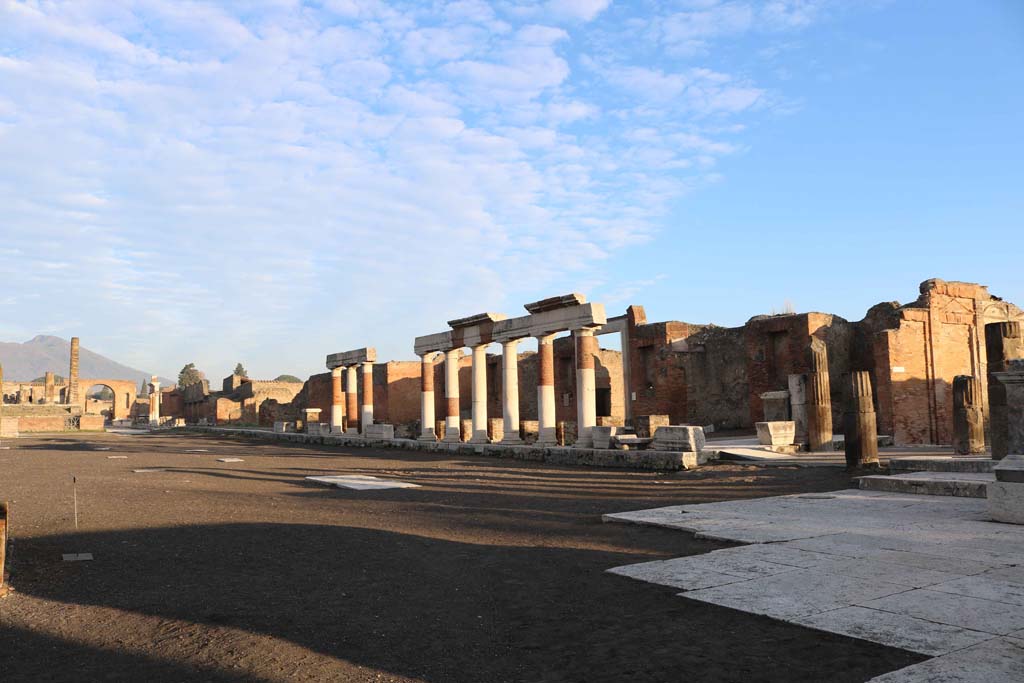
<point>352,397</point>
<point>427,398</point>
<point>510,390</point>
<point>479,394</point>
<point>337,401</point>
<point>154,405</point>
<point>366,417</point>
<point>546,390</point>
<point>586,387</point>
<point>452,426</point>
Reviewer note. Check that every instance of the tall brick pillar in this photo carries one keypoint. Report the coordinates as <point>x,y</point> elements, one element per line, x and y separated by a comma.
<point>546,391</point>
<point>352,396</point>
<point>72,392</point>
<point>819,399</point>
<point>586,387</point>
<point>1004,345</point>
<point>337,401</point>
<point>453,422</point>
<point>860,429</point>
<point>427,398</point>
<point>49,388</point>
<point>366,416</point>
<point>968,419</point>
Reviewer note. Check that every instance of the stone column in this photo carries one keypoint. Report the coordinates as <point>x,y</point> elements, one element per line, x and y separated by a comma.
<point>819,400</point>
<point>798,405</point>
<point>452,426</point>
<point>1008,345</point>
<point>546,390</point>
<point>49,389</point>
<point>154,404</point>
<point>72,392</point>
<point>860,431</point>
<point>586,387</point>
<point>510,391</point>
<point>968,417</point>
<point>366,416</point>
<point>427,398</point>
<point>1012,378</point>
<point>479,394</point>
<point>337,401</point>
<point>352,399</point>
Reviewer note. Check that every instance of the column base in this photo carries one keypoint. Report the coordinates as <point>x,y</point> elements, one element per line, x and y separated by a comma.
<point>336,429</point>
<point>352,432</point>
<point>511,441</point>
<point>455,438</point>
<point>480,438</point>
<point>431,437</point>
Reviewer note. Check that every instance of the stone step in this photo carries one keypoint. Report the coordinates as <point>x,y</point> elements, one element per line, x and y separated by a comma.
<point>940,464</point>
<point>962,484</point>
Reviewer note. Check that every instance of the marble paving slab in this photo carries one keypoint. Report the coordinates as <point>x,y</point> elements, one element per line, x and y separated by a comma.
<point>929,574</point>
<point>362,482</point>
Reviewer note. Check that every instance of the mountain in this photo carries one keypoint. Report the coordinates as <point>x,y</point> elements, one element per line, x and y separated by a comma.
<point>26,361</point>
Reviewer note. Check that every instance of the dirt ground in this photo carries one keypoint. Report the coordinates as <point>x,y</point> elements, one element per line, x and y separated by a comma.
<point>493,571</point>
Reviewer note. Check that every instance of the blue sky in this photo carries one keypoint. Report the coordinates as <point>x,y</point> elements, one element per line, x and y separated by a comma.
<point>271,181</point>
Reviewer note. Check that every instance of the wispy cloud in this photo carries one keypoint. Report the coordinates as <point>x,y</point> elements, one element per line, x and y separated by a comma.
<point>277,180</point>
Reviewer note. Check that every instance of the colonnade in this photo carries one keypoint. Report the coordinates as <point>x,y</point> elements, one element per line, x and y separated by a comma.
<point>347,416</point>
<point>546,319</point>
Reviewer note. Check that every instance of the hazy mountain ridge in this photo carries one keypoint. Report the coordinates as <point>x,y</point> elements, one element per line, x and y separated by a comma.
<point>22,362</point>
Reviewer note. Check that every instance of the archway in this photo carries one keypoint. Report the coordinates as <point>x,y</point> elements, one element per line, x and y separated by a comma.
<point>100,399</point>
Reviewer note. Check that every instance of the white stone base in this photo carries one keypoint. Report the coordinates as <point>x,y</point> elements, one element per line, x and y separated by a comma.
<point>1006,502</point>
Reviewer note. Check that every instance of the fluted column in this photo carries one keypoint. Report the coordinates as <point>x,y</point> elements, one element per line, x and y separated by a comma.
<point>586,387</point>
<point>510,391</point>
<point>366,416</point>
<point>452,427</point>
<point>352,399</point>
<point>819,399</point>
<point>337,401</point>
<point>546,390</point>
<point>860,430</point>
<point>968,419</point>
<point>427,398</point>
<point>479,394</point>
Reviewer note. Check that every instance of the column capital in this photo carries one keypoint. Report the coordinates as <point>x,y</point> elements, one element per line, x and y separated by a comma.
<point>336,372</point>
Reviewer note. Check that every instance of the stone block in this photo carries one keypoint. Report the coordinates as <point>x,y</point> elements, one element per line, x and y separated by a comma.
<point>778,433</point>
<point>495,428</point>
<point>646,425</point>
<point>1006,494</point>
<point>776,406</point>
<point>529,429</point>
<point>603,436</point>
<point>383,432</point>
<point>678,438</point>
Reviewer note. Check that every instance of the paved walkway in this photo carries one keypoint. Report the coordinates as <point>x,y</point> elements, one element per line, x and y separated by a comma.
<point>927,574</point>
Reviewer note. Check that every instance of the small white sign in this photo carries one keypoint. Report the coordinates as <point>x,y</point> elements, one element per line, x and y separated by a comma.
<point>899,368</point>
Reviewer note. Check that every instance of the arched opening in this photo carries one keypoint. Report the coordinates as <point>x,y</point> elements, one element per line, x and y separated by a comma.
<point>99,400</point>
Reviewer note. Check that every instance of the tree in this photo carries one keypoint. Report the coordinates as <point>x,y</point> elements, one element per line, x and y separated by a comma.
<point>240,370</point>
<point>288,378</point>
<point>189,375</point>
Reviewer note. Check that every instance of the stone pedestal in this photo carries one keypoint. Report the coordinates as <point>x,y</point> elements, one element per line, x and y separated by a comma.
<point>646,425</point>
<point>782,433</point>
<point>1006,493</point>
<point>968,419</point>
<point>1012,380</point>
<point>312,418</point>
<point>603,436</point>
<point>1004,343</point>
<point>380,432</point>
<point>678,438</point>
<point>819,399</point>
<point>860,430</point>
<point>776,406</point>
